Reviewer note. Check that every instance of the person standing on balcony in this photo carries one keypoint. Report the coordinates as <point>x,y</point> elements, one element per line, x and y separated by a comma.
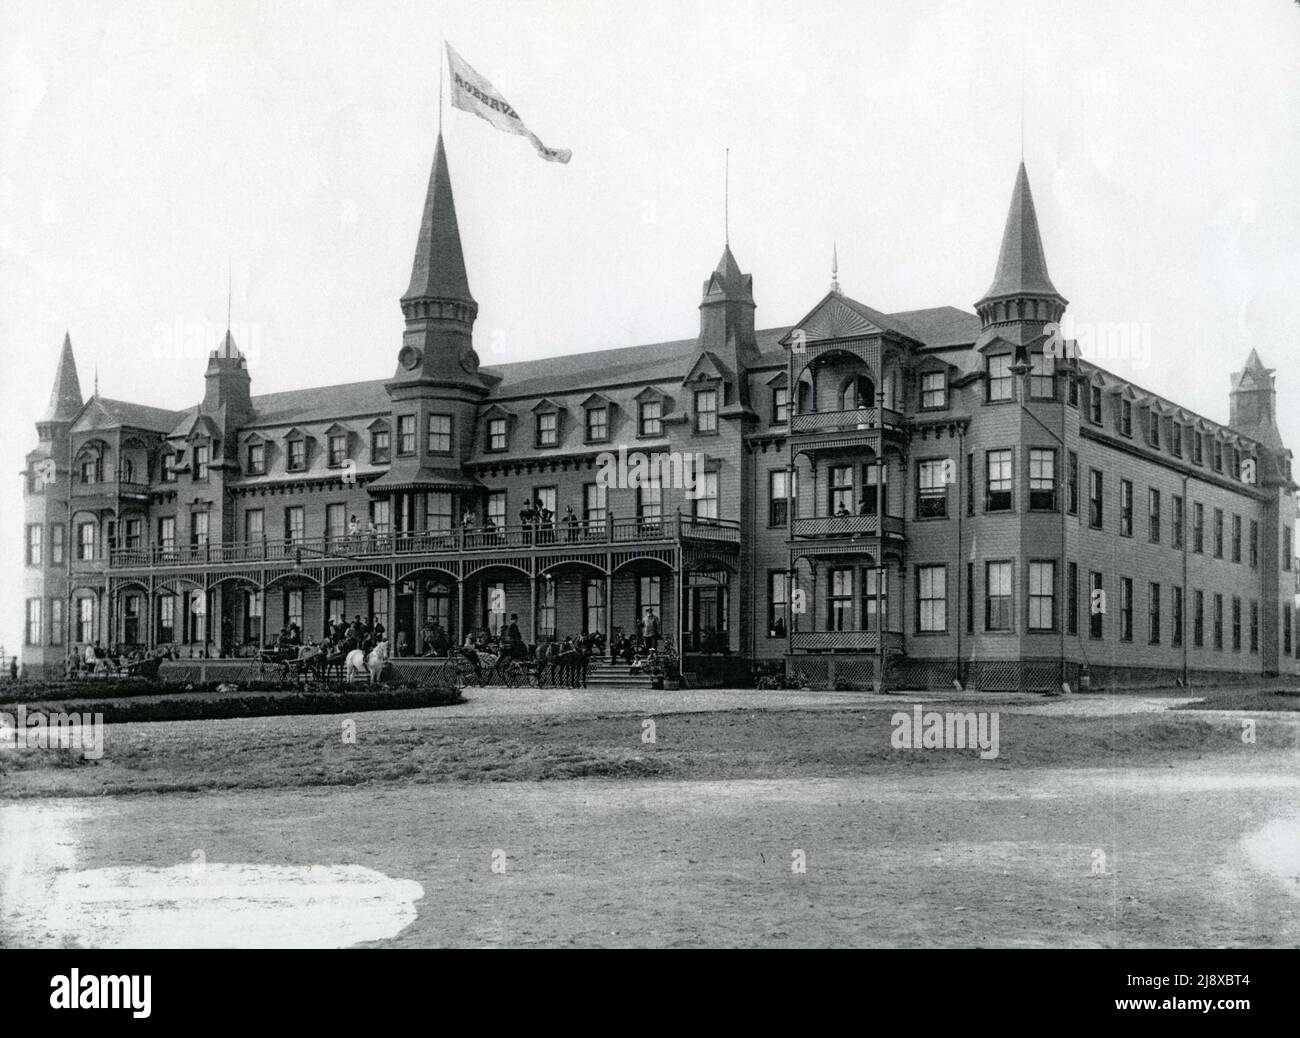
<point>527,518</point>
<point>571,524</point>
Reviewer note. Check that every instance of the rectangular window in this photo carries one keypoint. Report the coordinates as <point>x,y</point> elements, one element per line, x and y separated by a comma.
<point>780,405</point>
<point>1198,448</point>
<point>294,524</point>
<point>546,609</point>
<point>650,503</point>
<point>1126,609</point>
<point>439,439</point>
<point>406,434</point>
<point>970,484</point>
<point>133,538</point>
<point>1126,417</point>
<point>293,608</point>
<point>1096,499</point>
<point>1001,382</point>
<point>32,633</point>
<point>1042,479</point>
<point>1236,624</point>
<point>1126,508</point>
<point>496,508</point>
<point>1072,598</point>
<point>1176,439</point>
<point>1176,523</point>
<point>1236,464</point>
<point>997,481</point>
<point>167,532</point>
<point>1236,538</point>
<point>198,529</point>
<point>597,424</point>
<point>1287,548</point>
<point>1153,613</point>
<point>86,542</point>
<point>1216,455</point>
<point>497,437</point>
<point>778,497</point>
<point>1042,596</point>
<point>254,525</point>
<point>1042,376</point>
<point>706,411</point>
<point>934,390</point>
<point>437,511</point>
<point>297,455</point>
<point>649,595</point>
<point>778,587</point>
<point>1254,543</point>
<point>1198,527</point>
<point>169,467</point>
<point>201,456</point>
<point>1218,621</point>
<point>380,447</point>
<point>1153,515</point>
<point>932,598</point>
<point>1072,488</point>
<point>650,418</point>
<point>35,556</point>
<point>594,504</point>
<point>167,618</point>
<point>1153,428</point>
<point>931,489</point>
<point>872,501</point>
<point>337,446</point>
<point>86,619</point>
<point>257,459</point>
<point>1094,404</point>
<point>336,523</point>
<point>970,598</point>
<point>1198,618</point>
<point>595,605</point>
<point>840,603</point>
<point>704,503</point>
<point>997,596</point>
<point>1254,626</point>
<point>840,486</point>
<point>548,429</point>
<point>56,544</point>
<point>873,581</point>
<point>56,619</point>
<point>1176,620</point>
<point>1218,533</point>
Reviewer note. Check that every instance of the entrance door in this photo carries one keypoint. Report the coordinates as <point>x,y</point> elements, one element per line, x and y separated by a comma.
<point>706,619</point>
<point>405,603</point>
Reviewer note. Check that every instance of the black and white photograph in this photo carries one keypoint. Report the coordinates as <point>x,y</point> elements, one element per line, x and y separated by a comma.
<point>650,475</point>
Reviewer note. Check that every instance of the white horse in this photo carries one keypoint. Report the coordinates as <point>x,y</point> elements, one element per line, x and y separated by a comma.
<point>376,660</point>
<point>355,665</point>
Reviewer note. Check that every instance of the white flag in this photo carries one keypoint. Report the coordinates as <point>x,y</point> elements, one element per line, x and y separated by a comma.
<point>470,92</point>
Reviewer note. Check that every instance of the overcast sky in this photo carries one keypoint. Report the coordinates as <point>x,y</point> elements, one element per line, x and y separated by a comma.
<point>144,146</point>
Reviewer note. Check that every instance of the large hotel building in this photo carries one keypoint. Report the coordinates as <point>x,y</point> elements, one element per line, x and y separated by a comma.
<point>928,497</point>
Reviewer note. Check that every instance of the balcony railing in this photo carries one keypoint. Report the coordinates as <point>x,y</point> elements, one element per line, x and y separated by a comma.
<point>862,419</point>
<point>110,488</point>
<point>512,537</point>
<point>862,641</point>
<point>849,526</point>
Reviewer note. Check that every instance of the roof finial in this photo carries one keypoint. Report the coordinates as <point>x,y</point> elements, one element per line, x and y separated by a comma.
<point>230,289</point>
<point>726,198</point>
<point>835,268</point>
<point>96,393</point>
<point>442,51</point>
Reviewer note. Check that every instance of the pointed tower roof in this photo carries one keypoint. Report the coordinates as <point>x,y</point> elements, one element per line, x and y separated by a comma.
<point>439,268</point>
<point>727,282</point>
<point>65,398</point>
<point>1022,267</point>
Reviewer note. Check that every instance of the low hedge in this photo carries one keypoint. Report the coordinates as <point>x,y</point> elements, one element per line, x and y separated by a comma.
<point>187,706</point>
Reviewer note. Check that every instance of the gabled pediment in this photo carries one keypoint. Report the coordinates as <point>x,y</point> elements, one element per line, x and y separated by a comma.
<point>201,427</point>
<point>651,393</point>
<point>834,318</point>
<point>296,434</point>
<point>378,425</point>
<point>708,368</point>
<point>496,411</point>
<point>338,429</point>
<point>780,380</point>
<point>546,406</point>
<point>254,437</point>
<point>597,400</point>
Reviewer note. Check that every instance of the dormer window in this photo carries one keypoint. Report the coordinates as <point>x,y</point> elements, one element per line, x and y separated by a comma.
<point>1218,455</point>
<point>1126,417</point>
<point>1094,404</point>
<point>781,405</point>
<point>1198,448</point>
<point>439,434</point>
<point>1176,439</point>
<point>650,418</point>
<point>597,423</point>
<point>169,467</point>
<point>934,391</point>
<point>380,447</point>
<point>297,455</point>
<point>337,445</point>
<point>548,429</point>
<point>1153,428</point>
<point>498,435</point>
<point>706,410</point>
<point>257,459</point>
<point>202,455</point>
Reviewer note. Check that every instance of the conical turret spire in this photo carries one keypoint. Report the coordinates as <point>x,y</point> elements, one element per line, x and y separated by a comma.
<point>1022,267</point>
<point>65,398</point>
<point>439,268</point>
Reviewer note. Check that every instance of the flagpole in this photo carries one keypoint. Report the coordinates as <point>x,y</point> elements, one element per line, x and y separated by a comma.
<point>442,51</point>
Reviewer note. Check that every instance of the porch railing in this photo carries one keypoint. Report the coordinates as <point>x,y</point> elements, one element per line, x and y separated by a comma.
<point>862,418</point>
<point>849,525</point>
<point>862,641</point>
<point>454,541</point>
